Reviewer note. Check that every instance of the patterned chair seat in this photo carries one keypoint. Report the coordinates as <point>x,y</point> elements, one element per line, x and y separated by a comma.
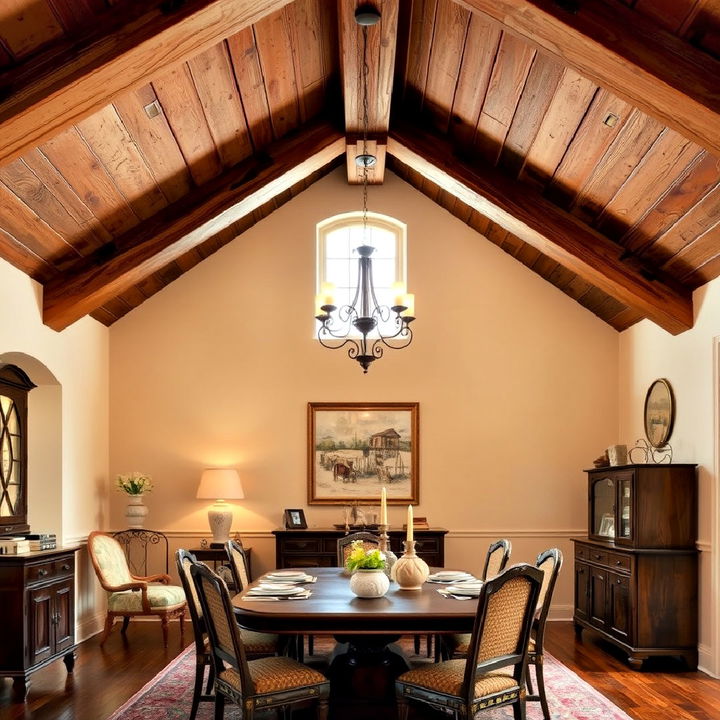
<point>275,674</point>
<point>159,596</point>
<point>447,678</point>
<point>259,643</point>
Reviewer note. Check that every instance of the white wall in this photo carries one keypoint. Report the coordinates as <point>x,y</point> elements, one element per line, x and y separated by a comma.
<point>68,423</point>
<point>516,383</point>
<point>689,361</point>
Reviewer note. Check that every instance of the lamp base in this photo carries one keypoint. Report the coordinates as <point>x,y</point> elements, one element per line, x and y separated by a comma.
<point>220,520</point>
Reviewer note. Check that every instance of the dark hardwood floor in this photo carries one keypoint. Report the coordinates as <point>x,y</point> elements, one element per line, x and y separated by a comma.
<point>105,678</point>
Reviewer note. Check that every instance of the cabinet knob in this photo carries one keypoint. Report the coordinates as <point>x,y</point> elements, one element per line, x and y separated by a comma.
<point>618,581</point>
<point>42,572</point>
<point>618,562</point>
<point>66,567</point>
<point>597,557</point>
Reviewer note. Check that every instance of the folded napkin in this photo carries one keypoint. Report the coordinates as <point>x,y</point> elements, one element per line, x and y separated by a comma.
<point>447,594</point>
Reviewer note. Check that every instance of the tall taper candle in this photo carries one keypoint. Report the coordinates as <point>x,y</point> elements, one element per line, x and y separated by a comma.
<point>383,507</point>
<point>410,536</point>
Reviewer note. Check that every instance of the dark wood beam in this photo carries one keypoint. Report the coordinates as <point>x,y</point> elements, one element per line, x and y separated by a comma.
<point>188,222</point>
<point>628,54</point>
<point>61,87</point>
<point>556,233</point>
<point>381,42</point>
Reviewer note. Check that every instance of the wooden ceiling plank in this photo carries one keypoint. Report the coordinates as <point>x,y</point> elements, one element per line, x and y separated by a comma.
<point>381,41</point>
<point>557,128</point>
<point>625,319</point>
<point>220,100</point>
<point>667,159</point>
<point>481,46</point>
<point>696,254</point>
<point>272,37</point>
<point>703,174</point>
<point>179,99</point>
<point>620,50</point>
<point>189,222</point>
<point>27,26</point>
<point>61,94</point>
<point>542,81</point>
<point>509,75</point>
<point>451,25</point>
<point>110,141</point>
<point>553,231</point>
<point>155,140</point>
<point>77,15</point>
<point>422,22</point>
<point>599,128</point>
<point>670,14</point>
<point>22,258</point>
<point>249,78</point>
<point>616,165</point>
<point>71,156</point>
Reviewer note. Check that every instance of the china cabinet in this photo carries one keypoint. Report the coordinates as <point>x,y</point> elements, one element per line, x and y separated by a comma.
<point>636,579</point>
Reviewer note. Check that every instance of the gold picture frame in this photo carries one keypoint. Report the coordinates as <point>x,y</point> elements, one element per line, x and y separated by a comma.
<point>356,449</point>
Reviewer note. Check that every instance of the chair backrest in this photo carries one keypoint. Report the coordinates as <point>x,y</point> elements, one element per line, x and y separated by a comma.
<point>369,541</point>
<point>109,560</point>
<point>185,560</point>
<point>238,564</point>
<point>550,563</point>
<point>496,559</point>
<point>501,630</point>
<point>144,549</point>
<point>226,645</point>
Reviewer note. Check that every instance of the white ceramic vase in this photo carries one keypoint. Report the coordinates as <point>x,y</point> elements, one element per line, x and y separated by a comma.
<point>136,511</point>
<point>369,583</point>
<point>410,571</point>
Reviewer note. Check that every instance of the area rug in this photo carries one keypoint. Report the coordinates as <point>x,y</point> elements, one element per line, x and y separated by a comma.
<point>168,696</point>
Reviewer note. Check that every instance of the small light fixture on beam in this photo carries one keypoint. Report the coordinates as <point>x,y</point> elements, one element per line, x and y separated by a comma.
<point>364,314</point>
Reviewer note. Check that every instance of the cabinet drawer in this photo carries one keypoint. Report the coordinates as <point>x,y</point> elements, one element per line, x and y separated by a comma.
<point>427,545</point>
<point>64,567</point>
<point>308,545</point>
<point>582,552</point>
<point>308,561</point>
<point>619,562</point>
<point>597,556</point>
<point>39,572</point>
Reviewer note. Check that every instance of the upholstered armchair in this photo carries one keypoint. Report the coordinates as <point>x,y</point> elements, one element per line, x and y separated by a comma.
<point>493,672</point>
<point>131,595</point>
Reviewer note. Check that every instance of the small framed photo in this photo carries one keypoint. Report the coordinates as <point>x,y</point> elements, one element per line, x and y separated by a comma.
<point>607,525</point>
<point>295,519</point>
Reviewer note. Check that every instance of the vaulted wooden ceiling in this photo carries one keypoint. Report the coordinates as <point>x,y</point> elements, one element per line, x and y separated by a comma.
<point>581,136</point>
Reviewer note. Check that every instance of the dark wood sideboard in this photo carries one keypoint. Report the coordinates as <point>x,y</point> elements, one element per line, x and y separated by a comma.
<point>37,594</point>
<point>636,573</point>
<point>317,547</point>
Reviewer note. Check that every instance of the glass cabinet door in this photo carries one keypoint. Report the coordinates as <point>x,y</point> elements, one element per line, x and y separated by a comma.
<point>602,508</point>
<point>625,502</point>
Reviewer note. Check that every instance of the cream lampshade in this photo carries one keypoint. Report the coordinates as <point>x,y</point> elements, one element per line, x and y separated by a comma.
<point>220,484</point>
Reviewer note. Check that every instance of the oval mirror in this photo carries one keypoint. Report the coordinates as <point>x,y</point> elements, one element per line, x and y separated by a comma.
<point>659,413</point>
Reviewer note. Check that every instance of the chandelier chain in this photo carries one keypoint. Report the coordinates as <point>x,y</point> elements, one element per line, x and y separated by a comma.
<point>366,122</point>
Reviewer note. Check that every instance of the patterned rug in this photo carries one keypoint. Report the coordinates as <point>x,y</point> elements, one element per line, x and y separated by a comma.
<point>168,696</point>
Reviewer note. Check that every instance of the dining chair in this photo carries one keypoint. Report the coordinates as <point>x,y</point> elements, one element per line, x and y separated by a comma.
<point>368,539</point>
<point>185,560</point>
<point>156,597</point>
<point>496,559</point>
<point>550,563</point>
<point>494,670</point>
<point>238,562</point>
<point>265,683</point>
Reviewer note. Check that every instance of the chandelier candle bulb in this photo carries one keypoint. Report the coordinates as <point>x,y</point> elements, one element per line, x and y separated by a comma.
<point>409,303</point>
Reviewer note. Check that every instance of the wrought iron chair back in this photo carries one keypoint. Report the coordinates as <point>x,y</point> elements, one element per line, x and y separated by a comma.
<point>144,549</point>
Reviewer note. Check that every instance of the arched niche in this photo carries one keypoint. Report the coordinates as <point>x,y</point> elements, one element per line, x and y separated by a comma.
<point>44,474</point>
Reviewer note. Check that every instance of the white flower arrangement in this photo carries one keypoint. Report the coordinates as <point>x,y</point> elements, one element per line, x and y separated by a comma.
<point>135,484</point>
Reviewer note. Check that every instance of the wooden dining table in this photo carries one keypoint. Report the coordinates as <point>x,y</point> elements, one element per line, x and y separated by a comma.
<point>366,660</point>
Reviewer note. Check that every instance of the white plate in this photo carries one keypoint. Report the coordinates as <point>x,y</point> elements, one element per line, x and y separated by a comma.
<point>470,589</point>
<point>276,586</point>
<point>449,575</point>
<point>287,574</point>
<point>469,578</point>
<point>268,579</point>
<point>293,590</point>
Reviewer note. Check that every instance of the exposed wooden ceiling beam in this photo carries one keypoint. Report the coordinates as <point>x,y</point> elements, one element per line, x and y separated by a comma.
<point>58,89</point>
<point>381,42</point>
<point>188,222</point>
<point>554,232</point>
<point>627,53</point>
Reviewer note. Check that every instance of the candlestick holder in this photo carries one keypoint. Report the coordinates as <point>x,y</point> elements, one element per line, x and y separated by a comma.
<point>410,571</point>
<point>390,556</point>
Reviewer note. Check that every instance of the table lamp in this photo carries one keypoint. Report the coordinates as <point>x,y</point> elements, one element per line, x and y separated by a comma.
<point>220,484</point>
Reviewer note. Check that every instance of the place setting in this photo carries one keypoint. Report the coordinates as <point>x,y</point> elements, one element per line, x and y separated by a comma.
<point>451,577</point>
<point>277,591</point>
<point>296,577</point>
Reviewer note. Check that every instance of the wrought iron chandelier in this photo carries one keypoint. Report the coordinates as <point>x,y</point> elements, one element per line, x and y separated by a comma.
<point>364,314</point>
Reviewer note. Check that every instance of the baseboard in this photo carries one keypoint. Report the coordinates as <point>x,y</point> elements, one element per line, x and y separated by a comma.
<point>561,612</point>
<point>89,627</point>
<point>706,661</point>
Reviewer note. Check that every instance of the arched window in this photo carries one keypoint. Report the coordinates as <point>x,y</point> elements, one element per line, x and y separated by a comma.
<point>337,259</point>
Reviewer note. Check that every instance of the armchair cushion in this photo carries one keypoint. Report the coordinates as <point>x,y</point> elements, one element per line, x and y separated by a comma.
<point>159,596</point>
<point>447,678</point>
<point>110,561</point>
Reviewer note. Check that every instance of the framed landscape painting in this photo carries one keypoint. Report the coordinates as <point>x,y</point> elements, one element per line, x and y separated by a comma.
<point>356,449</point>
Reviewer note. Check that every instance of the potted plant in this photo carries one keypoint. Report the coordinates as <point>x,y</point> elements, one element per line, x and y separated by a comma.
<point>135,485</point>
<point>367,566</point>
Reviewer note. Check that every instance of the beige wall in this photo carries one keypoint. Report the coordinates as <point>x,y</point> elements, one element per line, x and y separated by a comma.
<point>690,362</point>
<point>68,422</point>
<point>516,383</point>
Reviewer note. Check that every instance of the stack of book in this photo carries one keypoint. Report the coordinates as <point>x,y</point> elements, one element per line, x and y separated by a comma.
<point>42,541</point>
<point>14,545</point>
